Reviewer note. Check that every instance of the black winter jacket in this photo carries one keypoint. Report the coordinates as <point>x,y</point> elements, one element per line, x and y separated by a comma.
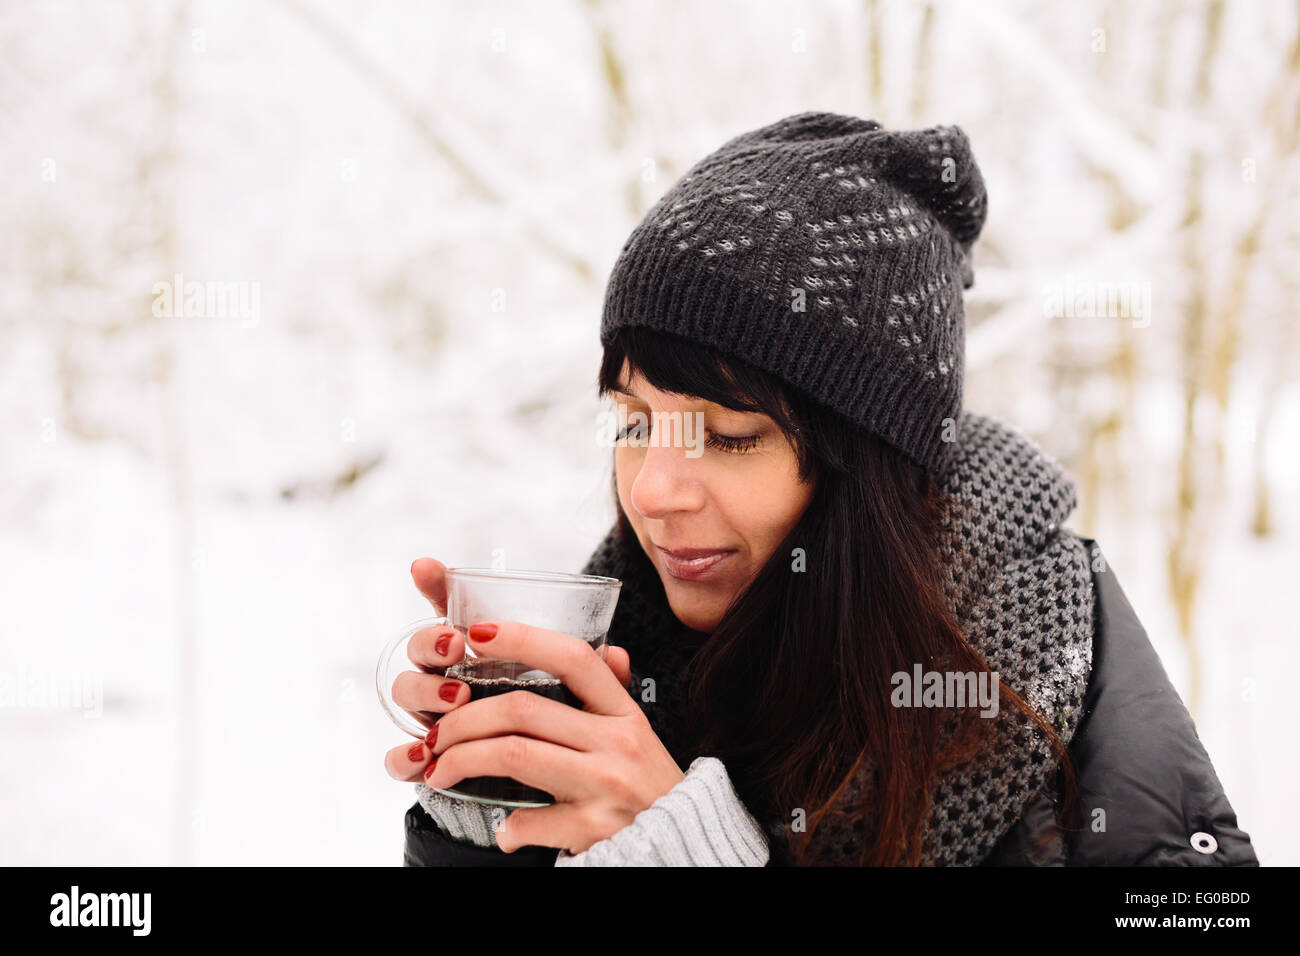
<point>1147,791</point>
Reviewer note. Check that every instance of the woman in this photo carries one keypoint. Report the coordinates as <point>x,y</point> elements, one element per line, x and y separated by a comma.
<point>852,614</point>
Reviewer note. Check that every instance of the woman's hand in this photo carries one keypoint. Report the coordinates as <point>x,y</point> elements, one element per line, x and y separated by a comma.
<point>437,648</point>
<point>603,764</point>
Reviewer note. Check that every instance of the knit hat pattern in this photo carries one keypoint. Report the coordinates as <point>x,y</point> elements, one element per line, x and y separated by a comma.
<point>829,252</point>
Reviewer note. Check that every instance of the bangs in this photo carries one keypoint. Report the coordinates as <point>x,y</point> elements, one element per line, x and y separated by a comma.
<point>673,364</point>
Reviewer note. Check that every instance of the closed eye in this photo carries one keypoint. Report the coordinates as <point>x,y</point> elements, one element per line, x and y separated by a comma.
<point>732,444</point>
<point>737,444</point>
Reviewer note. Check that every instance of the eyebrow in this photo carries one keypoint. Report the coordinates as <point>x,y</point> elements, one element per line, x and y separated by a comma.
<point>618,389</point>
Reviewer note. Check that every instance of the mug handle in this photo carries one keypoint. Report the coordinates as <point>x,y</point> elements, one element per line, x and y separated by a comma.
<point>388,668</point>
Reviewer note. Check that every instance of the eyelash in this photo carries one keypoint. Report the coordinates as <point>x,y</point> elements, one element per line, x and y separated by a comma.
<point>732,444</point>
<point>738,444</point>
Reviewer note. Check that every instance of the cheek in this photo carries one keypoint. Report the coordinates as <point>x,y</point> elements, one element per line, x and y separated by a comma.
<point>623,475</point>
<point>765,507</point>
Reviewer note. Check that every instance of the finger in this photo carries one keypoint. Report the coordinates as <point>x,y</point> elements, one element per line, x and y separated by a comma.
<point>569,658</point>
<point>435,647</point>
<point>560,826</point>
<point>620,662</point>
<point>523,712</point>
<point>561,772</point>
<point>430,692</point>
<point>407,762</point>
<point>430,578</point>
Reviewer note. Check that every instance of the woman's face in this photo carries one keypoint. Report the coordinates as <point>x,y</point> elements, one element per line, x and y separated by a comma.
<point>731,501</point>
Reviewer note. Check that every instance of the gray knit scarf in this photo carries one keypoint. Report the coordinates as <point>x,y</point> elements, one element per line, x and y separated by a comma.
<point>1021,588</point>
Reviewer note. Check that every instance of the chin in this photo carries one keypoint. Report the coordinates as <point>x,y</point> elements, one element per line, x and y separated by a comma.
<point>698,615</point>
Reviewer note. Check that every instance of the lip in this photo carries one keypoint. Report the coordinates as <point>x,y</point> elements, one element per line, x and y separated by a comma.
<point>693,564</point>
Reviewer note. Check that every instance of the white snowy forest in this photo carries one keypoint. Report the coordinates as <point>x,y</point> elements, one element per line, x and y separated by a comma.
<point>402,216</point>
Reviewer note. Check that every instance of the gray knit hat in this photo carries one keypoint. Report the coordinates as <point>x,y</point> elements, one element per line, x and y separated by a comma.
<point>830,252</point>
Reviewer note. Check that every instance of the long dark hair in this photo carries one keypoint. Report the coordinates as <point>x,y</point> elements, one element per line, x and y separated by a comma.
<point>792,688</point>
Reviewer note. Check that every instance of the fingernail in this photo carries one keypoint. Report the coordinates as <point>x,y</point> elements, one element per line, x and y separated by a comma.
<point>416,753</point>
<point>428,771</point>
<point>413,565</point>
<point>442,644</point>
<point>431,737</point>
<point>448,692</point>
<point>483,632</point>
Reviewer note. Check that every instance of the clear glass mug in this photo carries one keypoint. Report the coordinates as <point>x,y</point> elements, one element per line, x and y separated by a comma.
<point>578,604</point>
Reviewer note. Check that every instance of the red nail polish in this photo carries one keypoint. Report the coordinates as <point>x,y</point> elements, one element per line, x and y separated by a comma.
<point>440,646</point>
<point>483,632</point>
<point>431,737</point>
<point>416,753</point>
<point>428,771</point>
<point>448,692</point>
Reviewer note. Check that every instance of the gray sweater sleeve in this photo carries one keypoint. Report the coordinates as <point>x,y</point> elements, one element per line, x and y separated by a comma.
<point>463,820</point>
<point>699,822</point>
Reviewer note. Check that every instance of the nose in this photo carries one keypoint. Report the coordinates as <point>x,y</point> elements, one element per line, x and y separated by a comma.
<point>665,484</point>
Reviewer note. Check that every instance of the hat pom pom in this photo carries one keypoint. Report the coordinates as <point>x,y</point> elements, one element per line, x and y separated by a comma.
<point>937,167</point>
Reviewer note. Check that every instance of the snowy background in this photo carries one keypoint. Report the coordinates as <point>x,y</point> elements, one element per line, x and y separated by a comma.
<point>207,519</point>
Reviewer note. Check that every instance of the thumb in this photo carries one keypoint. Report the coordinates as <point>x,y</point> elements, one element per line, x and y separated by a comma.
<point>620,663</point>
<point>430,578</point>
